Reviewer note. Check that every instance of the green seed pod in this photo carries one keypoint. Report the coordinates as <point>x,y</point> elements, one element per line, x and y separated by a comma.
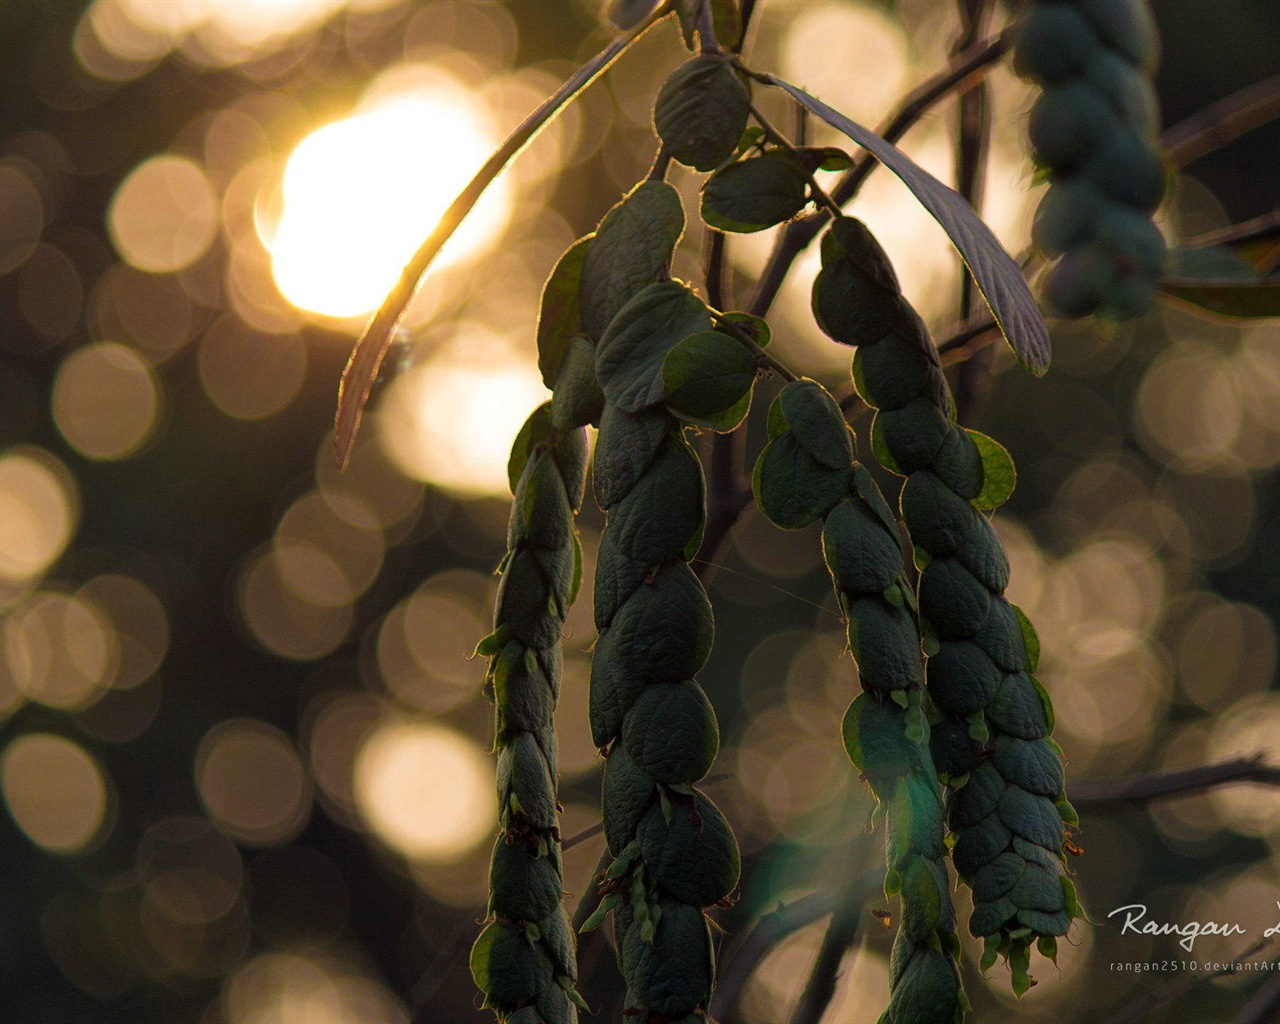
<point>701,112</point>
<point>628,792</point>
<point>524,957</point>
<point>862,556</point>
<point>1132,238</point>
<point>952,600</point>
<point>987,734</point>
<point>1054,42</point>
<point>885,644</point>
<point>647,714</point>
<point>962,679</point>
<point>1126,89</point>
<point>1067,215</point>
<point>694,856</point>
<point>1067,123</point>
<point>681,938</point>
<point>1127,27</point>
<point>1127,170</point>
<point>1017,708</point>
<point>671,732</point>
<point>899,376</point>
<point>940,519</point>
<point>526,886</point>
<point>1073,287</point>
<point>913,434</point>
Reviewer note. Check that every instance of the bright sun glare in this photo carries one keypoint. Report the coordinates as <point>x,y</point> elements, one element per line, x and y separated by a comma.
<point>362,193</point>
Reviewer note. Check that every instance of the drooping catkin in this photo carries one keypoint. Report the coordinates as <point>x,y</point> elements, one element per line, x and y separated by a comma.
<point>674,853</point>
<point>524,960</point>
<point>1094,129</point>
<point>1005,800</point>
<point>806,473</point>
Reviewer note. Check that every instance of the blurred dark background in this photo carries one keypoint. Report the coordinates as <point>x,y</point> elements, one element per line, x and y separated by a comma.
<point>244,753</point>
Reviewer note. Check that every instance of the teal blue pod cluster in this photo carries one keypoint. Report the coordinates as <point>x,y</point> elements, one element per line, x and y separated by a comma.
<point>1095,129</point>
<point>524,960</point>
<point>990,741</point>
<point>805,474</point>
<point>674,853</point>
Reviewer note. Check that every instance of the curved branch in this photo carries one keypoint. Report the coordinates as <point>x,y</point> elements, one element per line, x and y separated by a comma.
<point>369,350</point>
<point>1221,123</point>
<point>1141,789</point>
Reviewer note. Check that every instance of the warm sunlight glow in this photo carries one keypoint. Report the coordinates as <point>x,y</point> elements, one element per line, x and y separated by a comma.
<point>425,790</point>
<point>361,194</point>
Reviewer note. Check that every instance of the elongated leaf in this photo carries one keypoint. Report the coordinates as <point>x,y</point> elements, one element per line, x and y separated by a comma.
<point>629,359</point>
<point>994,271</point>
<point>631,249</point>
<point>1244,300</point>
<point>560,315</point>
<point>754,194</point>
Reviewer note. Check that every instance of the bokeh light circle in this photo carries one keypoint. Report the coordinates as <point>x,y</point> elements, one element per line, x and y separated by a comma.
<point>55,791</point>
<point>105,401</point>
<point>164,215</point>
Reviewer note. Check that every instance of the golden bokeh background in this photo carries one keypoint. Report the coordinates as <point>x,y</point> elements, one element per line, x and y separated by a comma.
<point>244,757</point>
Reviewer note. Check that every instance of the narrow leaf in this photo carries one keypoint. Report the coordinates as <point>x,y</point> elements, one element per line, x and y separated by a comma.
<point>559,315</point>
<point>995,272</point>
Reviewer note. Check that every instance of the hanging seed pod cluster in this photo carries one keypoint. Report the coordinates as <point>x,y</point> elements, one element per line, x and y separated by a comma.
<point>806,473</point>
<point>524,960</point>
<point>1094,128</point>
<point>1004,778</point>
<point>673,852</point>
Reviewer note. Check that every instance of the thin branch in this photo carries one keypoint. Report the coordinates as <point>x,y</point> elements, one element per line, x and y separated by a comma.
<point>1221,123</point>
<point>746,954</point>
<point>369,350</point>
<point>1141,789</point>
<point>842,931</point>
<point>1259,229</point>
<point>798,234</point>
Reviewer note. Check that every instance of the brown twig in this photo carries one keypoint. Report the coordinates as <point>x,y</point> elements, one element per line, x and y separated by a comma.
<point>1221,123</point>
<point>1259,229</point>
<point>1140,789</point>
<point>842,931</point>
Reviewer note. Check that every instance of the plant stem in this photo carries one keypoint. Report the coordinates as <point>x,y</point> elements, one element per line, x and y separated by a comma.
<point>371,347</point>
<point>1140,789</point>
<point>975,61</point>
<point>1221,123</point>
<point>841,932</point>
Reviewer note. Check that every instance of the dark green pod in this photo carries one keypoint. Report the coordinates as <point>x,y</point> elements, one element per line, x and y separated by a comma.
<point>523,770</point>
<point>954,751</point>
<point>1068,123</point>
<point>1029,764</point>
<point>524,594</point>
<point>664,510</point>
<point>527,887</point>
<point>998,877</point>
<point>989,918</point>
<point>673,972</point>
<point>1126,26</point>
<point>793,488</point>
<point>885,644</point>
<point>1034,818</point>
<point>618,576</point>
<point>627,444</point>
<point>664,632</point>
<point>524,697</point>
<point>981,843</point>
<point>1054,42</point>
<point>578,399</point>
<point>962,679</point>
<point>694,856</point>
<point>701,112</point>
<point>1127,90</point>
<point>1127,169</point>
<point>628,792</point>
<point>952,600</point>
<point>671,732</point>
<point>1067,215</point>
<point>862,557</point>
<point>977,799</point>
<point>890,376</point>
<point>1017,708</point>
<point>1038,888</point>
<point>983,555</point>
<point>913,434</point>
<point>940,519</point>
<point>851,307</point>
<point>507,968</point>
<point>1001,637</point>
<point>958,463</point>
<point>1133,237</point>
<point>928,991</point>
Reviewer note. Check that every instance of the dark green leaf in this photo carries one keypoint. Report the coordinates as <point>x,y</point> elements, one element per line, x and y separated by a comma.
<point>701,112</point>
<point>560,316</point>
<point>792,488</point>
<point>630,355</point>
<point>995,272</point>
<point>631,249</point>
<point>999,477</point>
<point>754,194</point>
<point>707,378</point>
<point>537,430</point>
